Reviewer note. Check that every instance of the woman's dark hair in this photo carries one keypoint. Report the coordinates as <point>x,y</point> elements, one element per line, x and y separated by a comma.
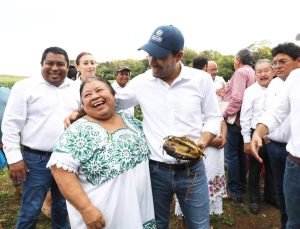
<point>91,79</point>
<point>55,50</point>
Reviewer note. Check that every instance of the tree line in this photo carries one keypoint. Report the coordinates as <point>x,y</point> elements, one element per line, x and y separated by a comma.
<point>260,50</point>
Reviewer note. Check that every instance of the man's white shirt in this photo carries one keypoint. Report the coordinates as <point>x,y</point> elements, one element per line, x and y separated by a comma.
<point>282,133</point>
<point>252,109</point>
<point>288,103</point>
<point>34,115</point>
<point>117,89</point>
<point>219,82</point>
<point>173,109</point>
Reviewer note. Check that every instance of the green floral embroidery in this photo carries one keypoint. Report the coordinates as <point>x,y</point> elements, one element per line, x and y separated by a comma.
<point>150,224</point>
<point>102,155</point>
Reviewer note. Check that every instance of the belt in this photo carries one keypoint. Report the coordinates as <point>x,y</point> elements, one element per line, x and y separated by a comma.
<point>36,151</point>
<point>295,159</point>
<point>282,144</point>
<point>174,166</point>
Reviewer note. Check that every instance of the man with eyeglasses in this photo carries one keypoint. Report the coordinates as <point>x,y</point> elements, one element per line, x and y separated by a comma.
<point>285,96</point>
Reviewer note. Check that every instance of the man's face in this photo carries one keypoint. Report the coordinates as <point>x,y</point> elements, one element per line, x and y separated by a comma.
<point>123,77</point>
<point>162,67</point>
<point>212,69</point>
<point>284,64</point>
<point>264,74</point>
<point>54,68</point>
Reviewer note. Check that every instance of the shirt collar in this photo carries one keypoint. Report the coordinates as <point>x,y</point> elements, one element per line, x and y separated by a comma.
<point>67,82</point>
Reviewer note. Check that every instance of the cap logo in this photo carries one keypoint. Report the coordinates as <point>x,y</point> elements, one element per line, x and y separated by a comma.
<point>157,36</point>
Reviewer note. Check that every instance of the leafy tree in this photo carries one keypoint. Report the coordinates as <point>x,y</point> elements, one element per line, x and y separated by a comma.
<point>188,57</point>
<point>261,50</point>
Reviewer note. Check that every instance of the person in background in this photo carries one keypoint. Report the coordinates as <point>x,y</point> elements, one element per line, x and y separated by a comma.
<point>252,109</point>
<point>235,162</point>
<point>33,119</point>
<point>287,103</point>
<point>86,66</point>
<point>122,77</point>
<point>219,82</point>
<point>72,73</point>
<point>4,94</point>
<point>200,63</point>
<point>286,58</point>
<point>101,165</point>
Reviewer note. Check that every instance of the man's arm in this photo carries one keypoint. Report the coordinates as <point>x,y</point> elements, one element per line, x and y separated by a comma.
<point>210,108</point>
<point>126,98</point>
<point>238,89</point>
<point>245,119</point>
<point>256,142</point>
<point>14,119</point>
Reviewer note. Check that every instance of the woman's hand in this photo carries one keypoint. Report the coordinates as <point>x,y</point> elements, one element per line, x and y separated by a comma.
<point>92,217</point>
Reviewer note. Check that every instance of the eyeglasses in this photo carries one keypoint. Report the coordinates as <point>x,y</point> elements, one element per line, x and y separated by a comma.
<point>280,62</point>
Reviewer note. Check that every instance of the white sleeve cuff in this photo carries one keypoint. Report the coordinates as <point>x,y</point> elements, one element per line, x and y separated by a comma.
<point>64,161</point>
<point>13,157</point>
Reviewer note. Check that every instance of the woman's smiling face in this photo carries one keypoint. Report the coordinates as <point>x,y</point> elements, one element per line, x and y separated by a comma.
<point>98,100</point>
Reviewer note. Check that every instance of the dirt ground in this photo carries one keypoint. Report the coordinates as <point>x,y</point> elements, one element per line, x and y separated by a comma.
<point>236,216</point>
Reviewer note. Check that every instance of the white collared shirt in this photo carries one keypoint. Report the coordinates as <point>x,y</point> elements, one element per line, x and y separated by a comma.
<point>34,115</point>
<point>288,103</point>
<point>219,82</point>
<point>117,89</point>
<point>282,133</point>
<point>173,109</point>
<point>252,109</point>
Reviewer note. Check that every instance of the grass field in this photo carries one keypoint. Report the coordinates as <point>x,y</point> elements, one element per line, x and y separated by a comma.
<point>8,81</point>
<point>236,216</point>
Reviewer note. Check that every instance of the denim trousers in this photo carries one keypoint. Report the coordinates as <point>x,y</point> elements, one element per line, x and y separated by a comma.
<point>235,161</point>
<point>190,186</point>
<point>39,181</point>
<point>291,188</point>
<point>277,154</point>
<point>255,167</point>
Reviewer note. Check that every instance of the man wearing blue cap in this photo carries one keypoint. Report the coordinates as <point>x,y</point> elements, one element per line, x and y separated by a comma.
<point>172,98</point>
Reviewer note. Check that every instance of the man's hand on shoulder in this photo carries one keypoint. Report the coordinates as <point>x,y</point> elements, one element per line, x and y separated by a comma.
<point>76,114</point>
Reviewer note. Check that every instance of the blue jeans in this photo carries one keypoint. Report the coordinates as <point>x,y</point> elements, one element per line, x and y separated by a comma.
<point>39,180</point>
<point>190,186</point>
<point>291,188</point>
<point>235,161</point>
<point>277,155</point>
<point>254,178</point>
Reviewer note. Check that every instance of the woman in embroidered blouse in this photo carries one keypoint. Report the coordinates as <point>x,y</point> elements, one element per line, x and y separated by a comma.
<point>101,165</point>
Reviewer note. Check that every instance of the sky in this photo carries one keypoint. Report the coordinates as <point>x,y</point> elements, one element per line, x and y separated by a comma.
<point>115,29</point>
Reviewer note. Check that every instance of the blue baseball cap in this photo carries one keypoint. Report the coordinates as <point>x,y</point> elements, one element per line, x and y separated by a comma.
<point>163,41</point>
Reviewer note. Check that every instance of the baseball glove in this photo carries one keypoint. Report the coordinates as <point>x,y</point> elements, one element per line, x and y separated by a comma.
<point>182,148</point>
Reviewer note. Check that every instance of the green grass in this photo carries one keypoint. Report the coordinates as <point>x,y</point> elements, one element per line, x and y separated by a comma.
<point>10,204</point>
<point>8,81</point>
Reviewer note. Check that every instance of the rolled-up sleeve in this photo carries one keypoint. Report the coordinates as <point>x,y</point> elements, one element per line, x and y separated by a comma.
<point>276,114</point>
<point>13,122</point>
<point>211,110</point>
